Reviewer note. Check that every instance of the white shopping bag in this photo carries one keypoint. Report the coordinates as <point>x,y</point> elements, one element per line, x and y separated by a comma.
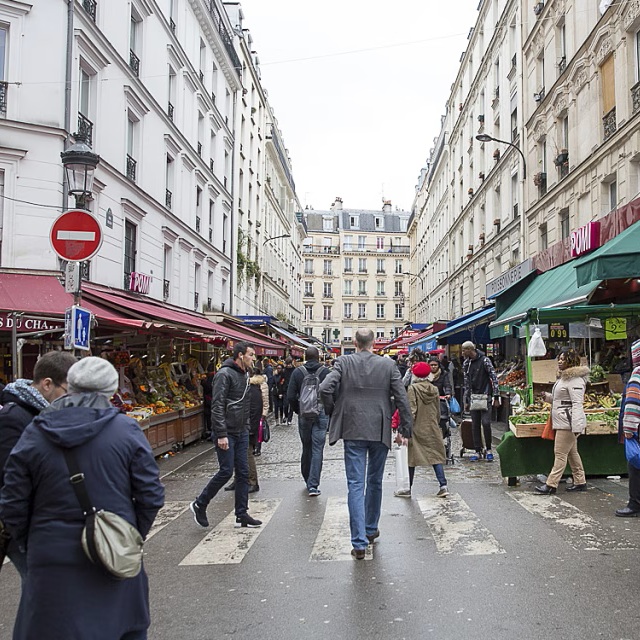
<point>401,454</point>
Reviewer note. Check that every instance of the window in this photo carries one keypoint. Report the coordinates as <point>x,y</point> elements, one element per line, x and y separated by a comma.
<point>380,288</point>
<point>348,265</point>
<point>380,265</point>
<point>167,267</point>
<point>362,311</point>
<point>326,312</point>
<point>308,267</point>
<point>636,52</point>
<point>308,312</point>
<point>399,266</point>
<point>544,243</point>
<point>130,243</point>
<point>613,195</point>
<point>348,310</point>
<point>379,333</point>
<point>132,130</point>
<point>134,42</point>
<point>327,224</point>
<point>328,268</point>
<point>379,222</point>
<point>380,243</point>
<point>362,265</point>
<point>348,243</point>
<point>607,74</point>
<point>168,197</point>
<point>399,311</point>
<point>362,287</point>
<point>354,222</point>
<point>4,33</point>
<point>348,290</point>
<point>564,224</point>
<point>380,310</point>
<point>308,288</point>
<point>398,289</point>
<point>327,290</point>
<point>362,243</point>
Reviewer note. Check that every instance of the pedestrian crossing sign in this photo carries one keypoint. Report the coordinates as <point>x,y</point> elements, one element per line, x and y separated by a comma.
<point>77,328</point>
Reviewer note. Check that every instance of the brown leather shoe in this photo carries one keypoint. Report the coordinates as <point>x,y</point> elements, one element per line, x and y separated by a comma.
<point>372,536</point>
<point>358,554</point>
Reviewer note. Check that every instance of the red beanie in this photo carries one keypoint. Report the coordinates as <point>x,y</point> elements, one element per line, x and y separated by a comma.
<point>421,369</point>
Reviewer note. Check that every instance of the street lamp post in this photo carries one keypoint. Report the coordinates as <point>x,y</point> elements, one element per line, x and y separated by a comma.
<point>262,300</point>
<point>484,137</point>
<point>80,164</point>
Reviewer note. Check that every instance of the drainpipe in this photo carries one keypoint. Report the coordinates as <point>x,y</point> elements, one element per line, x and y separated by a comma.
<point>67,93</point>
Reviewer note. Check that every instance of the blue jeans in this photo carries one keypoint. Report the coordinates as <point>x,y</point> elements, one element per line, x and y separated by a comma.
<point>439,469</point>
<point>364,502</point>
<point>235,458</point>
<point>313,434</point>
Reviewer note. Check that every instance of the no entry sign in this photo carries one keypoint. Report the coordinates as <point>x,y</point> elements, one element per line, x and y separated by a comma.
<point>76,235</point>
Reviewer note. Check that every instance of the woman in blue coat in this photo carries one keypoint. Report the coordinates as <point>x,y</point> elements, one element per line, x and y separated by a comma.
<point>65,596</point>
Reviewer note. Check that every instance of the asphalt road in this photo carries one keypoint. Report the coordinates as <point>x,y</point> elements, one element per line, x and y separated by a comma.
<point>490,561</point>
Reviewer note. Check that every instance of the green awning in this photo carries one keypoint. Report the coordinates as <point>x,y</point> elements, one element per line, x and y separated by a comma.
<point>618,258</point>
<point>552,289</point>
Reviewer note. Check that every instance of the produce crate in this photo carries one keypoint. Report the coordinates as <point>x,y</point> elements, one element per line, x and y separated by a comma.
<point>191,424</point>
<point>163,431</point>
<point>533,430</point>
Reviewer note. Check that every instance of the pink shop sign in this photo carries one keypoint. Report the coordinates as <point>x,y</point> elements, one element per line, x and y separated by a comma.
<point>140,282</point>
<point>585,239</point>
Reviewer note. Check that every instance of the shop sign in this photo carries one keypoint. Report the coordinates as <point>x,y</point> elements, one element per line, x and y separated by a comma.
<point>139,282</point>
<point>26,323</point>
<point>559,331</point>
<point>508,278</point>
<point>615,329</point>
<point>585,239</point>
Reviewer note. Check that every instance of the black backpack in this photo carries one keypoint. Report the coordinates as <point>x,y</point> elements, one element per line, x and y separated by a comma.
<point>309,402</point>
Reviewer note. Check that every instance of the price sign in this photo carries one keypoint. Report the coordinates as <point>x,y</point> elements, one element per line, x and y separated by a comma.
<point>559,331</point>
<point>615,329</point>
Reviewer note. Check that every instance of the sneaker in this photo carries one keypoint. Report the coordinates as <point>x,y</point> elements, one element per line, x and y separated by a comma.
<point>247,521</point>
<point>475,457</point>
<point>489,456</point>
<point>443,493</point>
<point>199,514</point>
<point>314,492</point>
<point>402,493</point>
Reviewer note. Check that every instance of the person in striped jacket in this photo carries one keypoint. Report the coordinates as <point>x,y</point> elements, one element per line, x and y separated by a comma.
<point>628,426</point>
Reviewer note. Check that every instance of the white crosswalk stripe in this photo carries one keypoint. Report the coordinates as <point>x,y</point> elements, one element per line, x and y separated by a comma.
<point>455,528</point>
<point>226,544</point>
<point>166,515</point>
<point>582,532</point>
<point>333,541</point>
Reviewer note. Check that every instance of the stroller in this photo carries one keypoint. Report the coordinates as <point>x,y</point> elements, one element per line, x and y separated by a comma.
<point>445,427</point>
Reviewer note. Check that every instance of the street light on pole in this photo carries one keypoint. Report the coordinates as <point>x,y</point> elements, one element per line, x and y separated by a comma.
<point>284,235</point>
<point>484,137</point>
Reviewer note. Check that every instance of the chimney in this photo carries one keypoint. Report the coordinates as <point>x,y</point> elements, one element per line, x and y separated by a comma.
<point>337,205</point>
<point>386,207</point>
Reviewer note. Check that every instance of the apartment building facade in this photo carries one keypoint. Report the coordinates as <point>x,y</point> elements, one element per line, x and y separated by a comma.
<point>356,273</point>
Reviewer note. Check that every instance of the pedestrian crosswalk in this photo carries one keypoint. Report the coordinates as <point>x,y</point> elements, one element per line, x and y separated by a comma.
<point>451,524</point>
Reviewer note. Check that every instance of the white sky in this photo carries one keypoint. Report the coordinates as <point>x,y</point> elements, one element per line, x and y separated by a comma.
<point>360,113</point>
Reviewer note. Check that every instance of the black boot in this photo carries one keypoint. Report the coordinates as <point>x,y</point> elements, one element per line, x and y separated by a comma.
<point>546,489</point>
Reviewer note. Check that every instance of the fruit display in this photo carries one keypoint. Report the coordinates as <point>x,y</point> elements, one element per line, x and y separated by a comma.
<point>597,373</point>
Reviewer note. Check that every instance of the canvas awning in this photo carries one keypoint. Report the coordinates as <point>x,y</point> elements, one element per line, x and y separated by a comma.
<point>618,258</point>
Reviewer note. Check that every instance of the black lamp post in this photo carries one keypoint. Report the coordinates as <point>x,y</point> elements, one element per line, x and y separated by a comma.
<point>485,137</point>
<point>284,235</point>
<point>79,165</point>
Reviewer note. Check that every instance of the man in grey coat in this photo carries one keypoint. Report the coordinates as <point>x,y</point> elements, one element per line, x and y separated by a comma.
<point>360,394</point>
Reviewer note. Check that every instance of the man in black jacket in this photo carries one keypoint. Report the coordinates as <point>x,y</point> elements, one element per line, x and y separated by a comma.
<point>312,429</point>
<point>230,414</point>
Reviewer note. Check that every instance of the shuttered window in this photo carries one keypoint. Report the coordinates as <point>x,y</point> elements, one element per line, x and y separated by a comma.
<point>608,85</point>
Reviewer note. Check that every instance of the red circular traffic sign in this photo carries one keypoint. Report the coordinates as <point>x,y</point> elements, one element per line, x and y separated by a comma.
<point>76,235</point>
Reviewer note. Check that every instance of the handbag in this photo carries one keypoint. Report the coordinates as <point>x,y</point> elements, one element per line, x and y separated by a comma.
<point>632,452</point>
<point>548,433</point>
<point>479,402</point>
<point>108,540</point>
<point>264,431</point>
<point>401,455</point>
<point>454,405</point>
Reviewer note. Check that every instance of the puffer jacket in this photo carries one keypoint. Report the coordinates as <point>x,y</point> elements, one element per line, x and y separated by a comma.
<point>567,406</point>
<point>230,405</point>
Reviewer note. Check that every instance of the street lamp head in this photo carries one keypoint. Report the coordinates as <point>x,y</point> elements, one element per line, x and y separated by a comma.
<point>284,235</point>
<point>79,164</point>
<point>484,137</point>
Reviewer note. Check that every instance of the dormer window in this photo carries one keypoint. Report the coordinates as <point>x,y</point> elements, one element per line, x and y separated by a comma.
<point>354,222</point>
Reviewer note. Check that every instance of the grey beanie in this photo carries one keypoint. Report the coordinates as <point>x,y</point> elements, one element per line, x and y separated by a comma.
<point>468,345</point>
<point>93,375</point>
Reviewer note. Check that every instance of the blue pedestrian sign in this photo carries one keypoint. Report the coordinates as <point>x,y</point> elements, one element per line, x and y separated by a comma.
<point>77,328</point>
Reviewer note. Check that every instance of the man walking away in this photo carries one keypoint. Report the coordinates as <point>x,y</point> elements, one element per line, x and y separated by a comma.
<point>303,397</point>
<point>479,379</point>
<point>230,414</point>
<point>359,394</point>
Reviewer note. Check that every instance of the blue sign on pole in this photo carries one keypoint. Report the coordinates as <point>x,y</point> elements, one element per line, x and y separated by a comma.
<point>80,328</point>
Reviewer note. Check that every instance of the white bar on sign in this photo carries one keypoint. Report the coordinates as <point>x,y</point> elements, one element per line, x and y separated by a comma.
<point>86,236</point>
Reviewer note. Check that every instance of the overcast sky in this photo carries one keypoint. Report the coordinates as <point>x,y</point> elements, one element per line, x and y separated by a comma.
<point>358,88</point>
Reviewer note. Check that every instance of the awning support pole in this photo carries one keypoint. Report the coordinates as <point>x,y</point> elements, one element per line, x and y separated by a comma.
<point>529,368</point>
<point>14,346</point>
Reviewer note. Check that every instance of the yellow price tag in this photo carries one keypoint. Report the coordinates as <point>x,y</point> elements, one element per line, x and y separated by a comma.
<point>615,329</point>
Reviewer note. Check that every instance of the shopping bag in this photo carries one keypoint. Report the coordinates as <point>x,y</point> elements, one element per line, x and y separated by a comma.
<point>632,452</point>
<point>264,431</point>
<point>454,405</point>
<point>401,454</point>
<point>548,433</point>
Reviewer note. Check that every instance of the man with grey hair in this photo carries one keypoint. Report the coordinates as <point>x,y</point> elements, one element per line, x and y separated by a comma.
<point>480,379</point>
<point>360,394</point>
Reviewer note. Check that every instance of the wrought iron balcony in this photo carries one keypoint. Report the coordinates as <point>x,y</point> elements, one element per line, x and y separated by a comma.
<point>609,123</point>
<point>635,96</point>
<point>199,148</point>
<point>201,76</point>
<point>166,289</point>
<point>227,40</point>
<point>198,224</point>
<point>127,281</point>
<point>211,164</point>
<point>131,168</point>
<point>90,7</point>
<point>170,111</point>
<point>172,25</point>
<point>4,87</point>
<point>134,62</point>
<point>196,300</point>
<point>168,196</point>
<point>562,65</point>
<point>85,130</point>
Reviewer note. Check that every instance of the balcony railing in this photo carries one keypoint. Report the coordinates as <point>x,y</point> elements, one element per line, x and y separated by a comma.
<point>372,248</point>
<point>166,289</point>
<point>4,87</point>
<point>127,281</point>
<point>327,294</point>
<point>562,65</point>
<point>196,300</point>
<point>199,148</point>
<point>170,111</point>
<point>635,96</point>
<point>308,294</point>
<point>308,273</point>
<point>134,62</point>
<point>172,25</point>
<point>320,249</point>
<point>227,40</point>
<point>131,168</point>
<point>609,123</point>
<point>85,130</point>
<point>327,273</point>
<point>211,164</point>
<point>201,76</point>
<point>90,7</point>
<point>168,196</point>
<point>198,224</point>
